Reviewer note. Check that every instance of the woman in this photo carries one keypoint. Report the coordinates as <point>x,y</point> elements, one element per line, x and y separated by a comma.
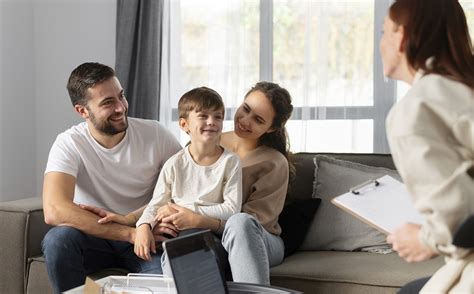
<point>431,132</point>
<point>251,238</point>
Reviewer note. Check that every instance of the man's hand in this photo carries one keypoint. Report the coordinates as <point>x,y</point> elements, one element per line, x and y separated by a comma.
<point>405,241</point>
<point>183,218</point>
<point>108,217</point>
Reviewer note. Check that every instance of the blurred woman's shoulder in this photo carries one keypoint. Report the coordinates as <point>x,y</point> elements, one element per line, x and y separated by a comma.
<point>265,154</point>
<point>227,140</point>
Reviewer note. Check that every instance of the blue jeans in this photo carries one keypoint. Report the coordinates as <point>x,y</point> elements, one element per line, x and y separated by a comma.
<point>71,255</point>
<point>252,250</point>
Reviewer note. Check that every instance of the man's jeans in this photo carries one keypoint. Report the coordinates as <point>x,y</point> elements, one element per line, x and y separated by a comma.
<point>71,255</point>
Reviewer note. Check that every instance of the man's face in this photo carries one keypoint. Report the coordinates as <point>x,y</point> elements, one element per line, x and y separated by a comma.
<point>107,107</point>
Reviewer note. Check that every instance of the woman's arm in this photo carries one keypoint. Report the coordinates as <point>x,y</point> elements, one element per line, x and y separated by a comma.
<point>434,167</point>
<point>268,192</point>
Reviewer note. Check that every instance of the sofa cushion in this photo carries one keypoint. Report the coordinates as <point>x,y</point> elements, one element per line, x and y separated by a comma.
<point>332,228</point>
<point>295,220</point>
<point>349,272</point>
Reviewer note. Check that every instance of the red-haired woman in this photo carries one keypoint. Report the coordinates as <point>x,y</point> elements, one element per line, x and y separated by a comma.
<point>426,43</point>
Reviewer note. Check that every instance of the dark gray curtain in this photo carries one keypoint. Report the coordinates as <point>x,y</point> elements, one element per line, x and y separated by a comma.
<point>138,54</point>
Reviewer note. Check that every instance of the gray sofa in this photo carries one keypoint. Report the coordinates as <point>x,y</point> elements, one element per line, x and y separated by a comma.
<point>22,267</point>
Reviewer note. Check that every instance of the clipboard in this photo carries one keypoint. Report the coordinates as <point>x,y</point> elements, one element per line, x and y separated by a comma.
<point>383,203</point>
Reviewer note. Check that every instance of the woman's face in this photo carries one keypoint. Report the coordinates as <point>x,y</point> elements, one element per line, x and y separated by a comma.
<point>390,48</point>
<point>254,117</point>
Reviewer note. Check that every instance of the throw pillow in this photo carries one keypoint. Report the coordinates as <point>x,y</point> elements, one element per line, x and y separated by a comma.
<point>332,228</point>
<point>294,221</point>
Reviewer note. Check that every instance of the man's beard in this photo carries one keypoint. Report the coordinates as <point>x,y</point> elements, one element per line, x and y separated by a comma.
<point>106,127</point>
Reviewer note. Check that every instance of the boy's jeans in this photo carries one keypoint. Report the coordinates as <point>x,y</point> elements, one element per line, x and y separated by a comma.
<point>71,255</point>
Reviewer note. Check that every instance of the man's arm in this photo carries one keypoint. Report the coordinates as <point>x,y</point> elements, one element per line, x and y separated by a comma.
<point>129,219</point>
<point>60,210</point>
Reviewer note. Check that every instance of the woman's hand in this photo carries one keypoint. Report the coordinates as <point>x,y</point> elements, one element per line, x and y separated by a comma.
<point>183,218</point>
<point>107,216</point>
<point>164,211</point>
<point>405,241</point>
<point>144,242</point>
<point>164,231</point>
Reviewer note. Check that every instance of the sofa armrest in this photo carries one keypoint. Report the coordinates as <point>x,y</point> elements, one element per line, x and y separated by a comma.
<point>22,229</point>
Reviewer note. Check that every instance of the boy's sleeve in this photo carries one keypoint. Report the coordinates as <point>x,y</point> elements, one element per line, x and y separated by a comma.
<point>161,196</point>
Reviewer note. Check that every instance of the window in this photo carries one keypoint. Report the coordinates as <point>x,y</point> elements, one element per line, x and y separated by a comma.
<point>324,52</point>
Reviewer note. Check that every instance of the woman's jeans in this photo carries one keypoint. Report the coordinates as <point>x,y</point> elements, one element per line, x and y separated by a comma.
<point>71,255</point>
<point>251,249</point>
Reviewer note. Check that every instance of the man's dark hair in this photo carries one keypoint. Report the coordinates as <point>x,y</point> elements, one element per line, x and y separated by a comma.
<point>85,76</point>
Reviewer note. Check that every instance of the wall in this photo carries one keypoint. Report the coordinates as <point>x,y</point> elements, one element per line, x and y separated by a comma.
<point>46,40</point>
<point>17,109</point>
<point>68,33</point>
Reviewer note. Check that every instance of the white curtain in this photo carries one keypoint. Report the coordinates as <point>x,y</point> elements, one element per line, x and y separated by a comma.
<point>213,44</point>
<point>323,52</point>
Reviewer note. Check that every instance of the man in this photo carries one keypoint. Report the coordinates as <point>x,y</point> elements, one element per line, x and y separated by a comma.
<point>110,162</point>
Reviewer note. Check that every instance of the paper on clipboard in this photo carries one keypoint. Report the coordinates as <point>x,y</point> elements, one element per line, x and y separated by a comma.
<point>385,206</point>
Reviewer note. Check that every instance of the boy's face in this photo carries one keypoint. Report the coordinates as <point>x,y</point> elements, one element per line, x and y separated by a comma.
<point>204,126</point>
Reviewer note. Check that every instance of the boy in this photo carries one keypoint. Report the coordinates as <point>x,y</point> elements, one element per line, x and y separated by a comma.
<point>203,177</point>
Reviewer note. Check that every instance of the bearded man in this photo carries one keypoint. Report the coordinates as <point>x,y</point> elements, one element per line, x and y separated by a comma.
<point>109,161</point>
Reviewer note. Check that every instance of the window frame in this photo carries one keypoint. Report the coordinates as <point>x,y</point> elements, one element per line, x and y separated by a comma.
<point>384,90</point>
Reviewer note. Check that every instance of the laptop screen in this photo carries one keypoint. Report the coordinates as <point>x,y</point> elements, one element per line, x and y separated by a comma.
<point>193,263</point>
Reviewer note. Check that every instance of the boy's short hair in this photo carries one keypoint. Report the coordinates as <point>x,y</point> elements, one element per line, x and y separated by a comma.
<point>198,99</point>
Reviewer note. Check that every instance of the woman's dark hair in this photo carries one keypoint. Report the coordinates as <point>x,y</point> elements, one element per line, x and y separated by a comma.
<point>436,28</point>
<point>85,76</point>
<point>280,99</point>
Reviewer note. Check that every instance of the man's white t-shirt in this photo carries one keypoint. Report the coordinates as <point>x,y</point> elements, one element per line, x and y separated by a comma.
<point>120,179</point>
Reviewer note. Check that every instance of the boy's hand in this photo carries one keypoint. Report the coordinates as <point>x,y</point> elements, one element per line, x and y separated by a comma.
<point>144,242</point>
<point>107,216</point>
<point>183,218</point>
<point>164,211</point>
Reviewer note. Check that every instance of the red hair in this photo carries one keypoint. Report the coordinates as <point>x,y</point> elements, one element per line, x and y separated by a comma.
<point>436,28</point>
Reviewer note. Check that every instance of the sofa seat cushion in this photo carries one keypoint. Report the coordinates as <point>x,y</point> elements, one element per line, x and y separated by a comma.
<point>358,268</point>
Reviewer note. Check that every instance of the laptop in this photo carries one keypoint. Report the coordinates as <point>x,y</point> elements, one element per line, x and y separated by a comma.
<point>193,262</point>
